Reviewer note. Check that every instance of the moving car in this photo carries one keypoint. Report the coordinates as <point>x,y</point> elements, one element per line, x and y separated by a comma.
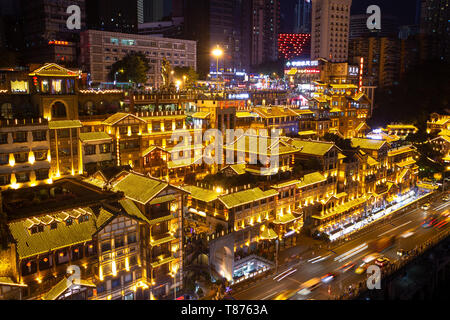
<point>309,286</point>
<point>328,277</point>
<point>401,252</point>
<point>446,197</point>
<point>426,206</point>
<point>362,268</point>
<point>349,265</point>
<point>429,222</point>
<point>382,262</point>
<point>285,295</point>
<point>371,257</point>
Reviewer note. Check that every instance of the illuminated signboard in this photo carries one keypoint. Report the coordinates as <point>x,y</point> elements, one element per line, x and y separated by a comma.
<point>304,63</point>
<point>309,71</point>
<point>238,96</point>
<point>353,70</point>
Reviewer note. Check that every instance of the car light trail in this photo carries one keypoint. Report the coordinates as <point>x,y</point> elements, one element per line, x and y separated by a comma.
<point>395,228</point>
<point>351,253</point>
<point>321,259</point>
<point>274,278</point>
<point>287,274</point>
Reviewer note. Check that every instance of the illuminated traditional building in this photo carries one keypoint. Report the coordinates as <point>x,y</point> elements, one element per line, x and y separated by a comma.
<point>344,106</point>
<point>25,158</point>
<point>401,130</point>
<point>438,123</point>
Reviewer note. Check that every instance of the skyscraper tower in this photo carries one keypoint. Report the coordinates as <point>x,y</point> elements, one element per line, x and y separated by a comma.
<point>302,22</point>
<point>330,29</point>
<point>435,24</point>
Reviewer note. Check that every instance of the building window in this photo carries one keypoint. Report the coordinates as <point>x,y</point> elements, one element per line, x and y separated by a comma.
<point>39,135</point>
<point>115,283</point>
<point>40,155</point>
<point>42,174</point>
<point>3,138</point>
<point>45,86</point>
<point>119,241</point>
<point>22,177</point>
<point>20,136</point>
<point>131,238</point>
<point>56,86</point>
<point>128,278</point>
<point>89,150</point>
<point>105,148</point>
<point>106,246</point>
<point>4,158</point>
<point>4,179</point>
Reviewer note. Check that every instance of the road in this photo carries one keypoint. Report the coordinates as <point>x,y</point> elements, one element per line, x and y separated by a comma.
<point>292,276</point>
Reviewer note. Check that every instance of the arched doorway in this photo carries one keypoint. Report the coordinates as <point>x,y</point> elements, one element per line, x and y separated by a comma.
<point>59,110</point>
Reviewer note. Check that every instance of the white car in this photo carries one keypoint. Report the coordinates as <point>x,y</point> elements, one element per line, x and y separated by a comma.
<point>426,206</point>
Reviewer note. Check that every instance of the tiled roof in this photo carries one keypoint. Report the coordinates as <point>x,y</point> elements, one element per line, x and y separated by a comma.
<point>112,120</point>
<point>274,112</point>
<point>139,188</point>
<point>268,234</point>
<point>318,148</point>
<point>53,239</point>
<point>94,136</point>
<point>237,168</point>
<point>286,218</point>
<point>201,194</point>
<point>253,144</point>
<point>64,124</point>
<point>370,144</point>
<point>246,196</point>
<point>201,115</point>
<point>64,285</point>
<point>132,210</point>
<point>311,178</point>
<point>285,184</point>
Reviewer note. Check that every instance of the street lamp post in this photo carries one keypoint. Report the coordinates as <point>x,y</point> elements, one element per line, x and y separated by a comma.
<point>217,52</point>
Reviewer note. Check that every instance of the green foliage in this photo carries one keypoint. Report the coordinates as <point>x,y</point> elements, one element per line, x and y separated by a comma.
<point>343,144</point>
<point>133,67</point>
<point>190,74</point>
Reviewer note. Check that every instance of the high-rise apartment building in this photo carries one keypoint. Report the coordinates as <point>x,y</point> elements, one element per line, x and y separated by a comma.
<point>113,15</point>
<point>265,22</point>
<point>330,29</point>
<point>358,26</point>
<point>381,64</point>
<point>217,23</point>
<point>302,23</point>
<point>45,21</point>
<point>435,24</point>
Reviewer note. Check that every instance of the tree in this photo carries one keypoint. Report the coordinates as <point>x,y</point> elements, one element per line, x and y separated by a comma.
<point>131,68</point>
<point>343,144</point>
<point>191,76</point>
